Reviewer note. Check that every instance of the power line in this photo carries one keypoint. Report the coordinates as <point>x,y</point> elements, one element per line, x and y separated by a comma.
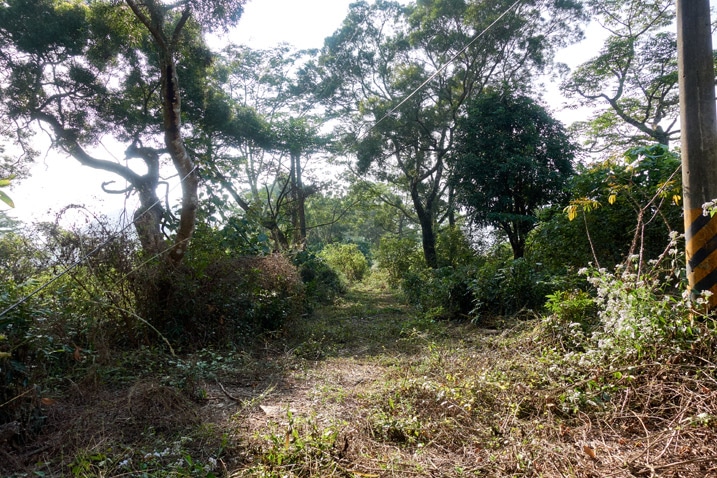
<point>445,65</point>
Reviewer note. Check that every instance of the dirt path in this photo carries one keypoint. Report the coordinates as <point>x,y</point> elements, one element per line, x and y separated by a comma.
<point>330,364</point>
<point>370,390</point>
<point>367,388</point>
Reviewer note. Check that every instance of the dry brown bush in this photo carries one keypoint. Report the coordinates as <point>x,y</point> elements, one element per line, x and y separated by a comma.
<point>226,302</point>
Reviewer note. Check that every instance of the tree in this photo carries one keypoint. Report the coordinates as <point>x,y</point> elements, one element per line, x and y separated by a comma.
<point>402,75</point>
<point>362,213</point>
<point>632,83</point>
<point>93,70</point>
<point>511,158</point>
<point>260,159</point>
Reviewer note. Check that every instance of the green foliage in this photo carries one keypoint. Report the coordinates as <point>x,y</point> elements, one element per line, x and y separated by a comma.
<point>347,259</point>
<point>620,207</point>
<point>17,350</point>
<point>236,237</point>
<point>398,256</point>
<point>301,447</point>
<point>20,258</point>
<point>360,214</point>
<point>171,458</point>
<point>322,284</point>
<point>468,285</point>
<point>505,286</point>
<point>112,70</point>
<point>397,421</point>
<point>385,53</point>
<point>442,293</point>
<point>453,248</point>
<point>224,303</point>
<point>635,314</point>
<point>58,321</point>
<point>511,159</point>
<point>572,317</point>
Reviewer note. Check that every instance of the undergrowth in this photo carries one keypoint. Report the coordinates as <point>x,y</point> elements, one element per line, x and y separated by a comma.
<point>620,383</point>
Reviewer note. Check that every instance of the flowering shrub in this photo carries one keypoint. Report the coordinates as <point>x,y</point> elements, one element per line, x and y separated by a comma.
<point>635,318</point>
<point>640,315</point>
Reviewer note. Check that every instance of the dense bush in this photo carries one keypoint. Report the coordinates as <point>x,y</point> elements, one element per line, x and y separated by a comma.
<point>60,306</point>
<point>621,206</point>
<point>453,248</point>
<point>347,259</point>
<point>397,256</point>
<point>439,293</point>
<point>225,303</point>
<point>504,286</point>
<point>468,284</point>
<point>17,349</point>
<point>322,284</point>
<point>235,237</point>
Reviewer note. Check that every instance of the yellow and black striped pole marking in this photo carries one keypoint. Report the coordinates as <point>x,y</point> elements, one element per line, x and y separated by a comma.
<point>698,120</point>
<point>701,250</point>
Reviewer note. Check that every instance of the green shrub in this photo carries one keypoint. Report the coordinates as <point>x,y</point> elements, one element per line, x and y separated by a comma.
<point>59,319</point>
<point>16,351</point>
<point>321,283</point>
<point>347,259</point>
<point>572,318</point>
<point>441,293</point>
<point>237,237</point>
<point>398,256</point>
<point>503,286</point>
<point>453,248</point>
<point>612,200</point>
<point>225,303</point>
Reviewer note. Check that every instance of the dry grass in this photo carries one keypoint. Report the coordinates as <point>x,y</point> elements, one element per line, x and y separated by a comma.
<point>367,389</point>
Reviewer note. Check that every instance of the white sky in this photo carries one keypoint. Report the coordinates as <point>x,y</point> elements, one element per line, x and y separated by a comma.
<point>59,181</point>
<point>301,23</point>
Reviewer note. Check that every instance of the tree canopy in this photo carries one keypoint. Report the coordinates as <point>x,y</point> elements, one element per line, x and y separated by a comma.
<point>99,70</point>
<point>402,75</point>
<point>632,83</point>
<point>511,158</point>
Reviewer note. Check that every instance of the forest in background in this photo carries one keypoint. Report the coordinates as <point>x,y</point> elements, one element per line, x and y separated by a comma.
<point>412,153</point>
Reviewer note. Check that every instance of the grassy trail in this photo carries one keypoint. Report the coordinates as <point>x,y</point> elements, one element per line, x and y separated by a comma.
<point>367,388</point>
<point>371,390</point>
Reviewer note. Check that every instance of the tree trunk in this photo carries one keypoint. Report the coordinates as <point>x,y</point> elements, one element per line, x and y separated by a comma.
<point>425,219</point>
<point>148,221</point>
<point>172,119</point>
<point>298,213</point>
<point>428,235</point>
<point>300,202</point>
<point>451,206</point>
<point>171,112</point>
<point>517,242</point>
<point>428,239</point>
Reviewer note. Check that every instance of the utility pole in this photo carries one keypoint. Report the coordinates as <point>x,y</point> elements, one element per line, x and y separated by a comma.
<point>699,142</point>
